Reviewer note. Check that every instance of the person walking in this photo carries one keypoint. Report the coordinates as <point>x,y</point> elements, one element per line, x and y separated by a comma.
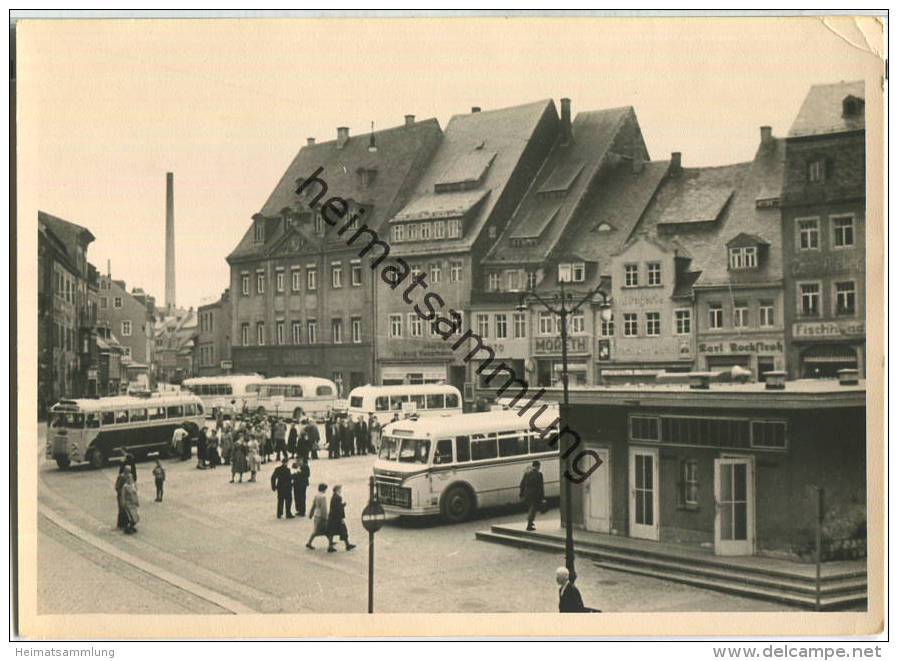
<point>292,439</point>
<point>301,475</point>
<point>122,519</point>
<point>159,477</point>
<point>282,482</point>
<point>336,521</point>
<point>178,438</point>
<point>314,438</point>
<point>254,461</point>
<point>129,504</point>
<point>279,433</point>
<point>130,462</point>
<point>532,492</point>
<point>318,514</point>
<point>238,459</point>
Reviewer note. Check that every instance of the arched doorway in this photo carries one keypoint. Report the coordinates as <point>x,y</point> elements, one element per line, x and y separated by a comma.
<point>822,361</point>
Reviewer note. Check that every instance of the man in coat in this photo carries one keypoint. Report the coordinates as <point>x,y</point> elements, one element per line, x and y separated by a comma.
<point>532,492</point>
<point>314,438</point>
<point>346,438</point>
<point>361,436</point>
<point>292,439</point>
<point>336,521</point>
<point>279,434</point>
<point>569,599</point>
<point>282,482</point>
<point>301,474</point>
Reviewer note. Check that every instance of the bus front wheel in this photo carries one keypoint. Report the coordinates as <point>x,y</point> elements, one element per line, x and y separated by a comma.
<point>457,504</point>
<point>63,462</point>
<point>95,458</point>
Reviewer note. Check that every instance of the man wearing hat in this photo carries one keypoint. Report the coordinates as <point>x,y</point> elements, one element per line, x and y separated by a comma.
<point>532,492</point>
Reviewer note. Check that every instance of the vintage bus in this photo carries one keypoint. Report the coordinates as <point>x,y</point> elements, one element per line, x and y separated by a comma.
<point>297,396</point>
<point>93,430</point>
<point>451,466</point>
<point>233,393</point>
<point>384,402</point>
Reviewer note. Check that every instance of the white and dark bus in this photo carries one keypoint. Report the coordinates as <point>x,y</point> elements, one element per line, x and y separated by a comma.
<point>451,466</point>
<point>383,402</point>
<point>93,430</point>
<point>297,396</point>
<point>232,393</point>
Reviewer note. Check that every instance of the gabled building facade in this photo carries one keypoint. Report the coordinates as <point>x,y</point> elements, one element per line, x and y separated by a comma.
<point>130,317</point>
<point>824,232</point>
<point>213,342</point>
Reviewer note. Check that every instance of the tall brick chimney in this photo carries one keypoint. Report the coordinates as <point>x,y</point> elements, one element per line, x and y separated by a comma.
<point>342,135</point>
<point>169,240</point>
<point>409,120</point>
<point>766,135</point>
<point>566,135</point>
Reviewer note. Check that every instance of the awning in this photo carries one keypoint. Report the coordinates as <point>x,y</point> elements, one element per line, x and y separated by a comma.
<point>829,353</point>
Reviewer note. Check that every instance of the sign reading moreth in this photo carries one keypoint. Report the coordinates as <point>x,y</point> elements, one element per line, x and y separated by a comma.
<point>827,329</point>
<point>547,345</point>
<point>740,347</point>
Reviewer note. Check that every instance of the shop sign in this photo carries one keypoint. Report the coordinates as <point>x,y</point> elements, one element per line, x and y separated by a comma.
<point>552,345</point>
<point>631,372</point>
<point>721,348</point>
<point>827,329</point>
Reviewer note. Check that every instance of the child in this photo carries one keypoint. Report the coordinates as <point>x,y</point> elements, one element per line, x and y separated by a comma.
<point>159,474</point>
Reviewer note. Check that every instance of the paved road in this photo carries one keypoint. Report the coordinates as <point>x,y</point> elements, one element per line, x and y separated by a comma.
<point>226,538</point>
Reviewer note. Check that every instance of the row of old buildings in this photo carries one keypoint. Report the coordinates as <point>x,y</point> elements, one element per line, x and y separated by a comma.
<point>758,264</point>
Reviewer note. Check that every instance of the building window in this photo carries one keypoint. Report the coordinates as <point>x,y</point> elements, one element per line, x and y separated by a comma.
<point>740,314</point>
<point>259,231</point>
<point>743,258</point>
<point>571,272</point>
<point>412,232</point>
<point>319,224</point>
<point>715,315</point>
<point>436,273</point>
<point>501,327</point>
<point>546,323</point>
<point>356,269</point>
<point>425,230</point>
<point>809,298</point>
<point>126,352</point>
<point>454,227</point>
<point>809,234</point>
<point>520,325</point>
<point>653,324</point>
<point>311,279</point>
<point>312,331</point>
<point>654,273</point>
<point>260,283</point>
<point>845,298</point>
<point>117,302</point>
<point>512,280</point>
<point>454,271</point>
<point>493,282</point>
<point>817,170</point>
<point>439,229</point>
<point>126,328</point>
<point>279,332</point>
<point>244,334</point>
<point>399,233</point>
<point>631,275</point>
<point>631,325</point>
<point>843,231</point>
<point>414,325</point>
<point>296,332</point>
<point>578,323</point>
<point>683,322</point>
<point>244,284</point>
<point>607,328</point>
<point>532,277</point>
<point>483,325</point>
<point>768,434</point>
<point>765,312</point>
<point>279,280</point>
<point>296,279</point>
<point>356,327</point>
<point>690,483</point>
<point>337,331</point>
<point>104,302</point>
<point>336,275</point>
<point>395,325</point>
<point>260,333</point>
<point>643,428</point>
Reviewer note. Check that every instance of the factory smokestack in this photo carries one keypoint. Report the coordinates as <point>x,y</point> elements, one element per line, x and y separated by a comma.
<point>169,240</point>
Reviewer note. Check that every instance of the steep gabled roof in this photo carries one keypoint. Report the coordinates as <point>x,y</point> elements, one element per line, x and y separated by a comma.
<point>560,187</point>
<point>390,172</point>
<point>66,234</point>
<point>822,110</point>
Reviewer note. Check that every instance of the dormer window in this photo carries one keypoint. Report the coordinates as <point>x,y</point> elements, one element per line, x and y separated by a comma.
<point>852,105</point>
<point>743,258</point>
<point>571,272</point>
<point>319,224</point>
<point>259,231</point>
<point>817,170</point>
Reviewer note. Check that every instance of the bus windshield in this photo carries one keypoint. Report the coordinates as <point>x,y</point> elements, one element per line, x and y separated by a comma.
<point>68,419</point>
<point>414,450</point>
<point>389,448</point>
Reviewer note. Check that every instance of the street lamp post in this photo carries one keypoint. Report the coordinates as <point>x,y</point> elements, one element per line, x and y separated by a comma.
<point>563,307</point>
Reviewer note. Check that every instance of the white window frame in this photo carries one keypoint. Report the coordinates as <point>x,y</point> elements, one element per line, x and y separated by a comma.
<point>244,283</point>
<point>766,313</point>
<point>453,228</point>
<point>578,272</point>
<point>817,171</point>
<point>494,281</point>
<point>126,328</point>
<point>483,325</point>
<point>439,229</point>
<point>279,279</point>
<point>715,315</point>
<point>631,275</point>
<point>436,273</point>
<point>311,278</point>
<point>832,222</point>
<point>395,321</point>
<point>412,232</point>
<point>751,435</point>
<point>653,324</point>
<point>337,330</point>
<point>415,326</point>
<point>682,321</point>
<point>260,282</point>
<point>312,331</point>
<point>519,321</point>
<point>740,314</point>
<point>355,268</point>
<point>337,275</point>
<point>500,323</point>
<point>296,279</point>
<point>631,324</point>
<point>260,333</point>
<point>296,331</point>
<point>244,334</point>
<point>651,271</point>
<point>455,271</point>
<point>836,284</point>
<point>425,231</point>
<point>800,298</point>
<point>546,323</point>
<point>577,323</point>
<point>116,302</point>
<point>356,329</point>
<point>799,232</point>
<point>565,272</point>
<point>279,331</point>
<point>606,328</point>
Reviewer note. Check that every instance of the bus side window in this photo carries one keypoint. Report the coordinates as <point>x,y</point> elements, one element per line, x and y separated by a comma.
<point>323,391</point>
<point>138,415</point>
<point>451,400</point>
<point>418,400</point>
<point>296,391</point>
<point>108,418</point>
<point>539,443</point>
<point>157,413</point>
<point>93,420</point>
<point>510,446</point>
<point>443,453</point>
<point>175,412</point>
<point>436,401</point>
<point>121,417</point>
<point>189,409</point>
<point>483,448</point>
<point>463,448</point>
<point>356,402</point>
<point>381,403</point>
<point>396,402</point>
<point>199,409</point>
<point>252,387</point>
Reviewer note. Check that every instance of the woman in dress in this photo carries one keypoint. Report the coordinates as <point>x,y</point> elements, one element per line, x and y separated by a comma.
<point>255,461</point>
<point>238,459</point>
<point>130,503</point>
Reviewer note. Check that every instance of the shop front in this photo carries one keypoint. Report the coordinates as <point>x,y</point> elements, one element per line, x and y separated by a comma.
<point>756,354</point>
<point>547,355</point>
<point>821,349</point>
<point>629,361</point>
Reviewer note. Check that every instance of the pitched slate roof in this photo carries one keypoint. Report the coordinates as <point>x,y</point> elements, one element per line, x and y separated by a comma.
<point>402,153</point>
<point>560,187</point>
<point>708,241</point>
<point>66,233</point>
<point>821,111</point>
<point>505,132</point>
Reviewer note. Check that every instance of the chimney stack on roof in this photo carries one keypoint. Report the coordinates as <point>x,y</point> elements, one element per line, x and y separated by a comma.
<point>565,121</point>
<point>676,163</point>
<point>475,108</point>
<point>637,164</point>
<point>409,120</point>
<point>342,135</point>
<point>372,143</point>
<point>310,141</point>
<point>766,135</point>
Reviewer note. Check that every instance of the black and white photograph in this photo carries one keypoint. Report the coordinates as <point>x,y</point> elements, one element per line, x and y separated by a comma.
<point>449,325</point>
